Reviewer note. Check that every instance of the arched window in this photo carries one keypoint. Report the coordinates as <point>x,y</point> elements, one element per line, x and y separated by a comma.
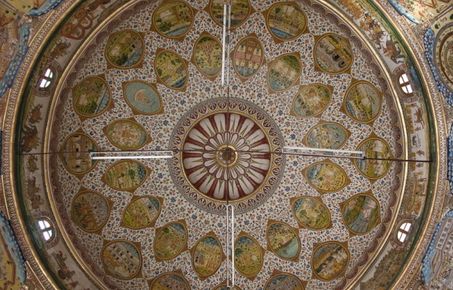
<point>403,231</point>
<point>46,79</point>
<point>405,84</point>
<point>46,229</point>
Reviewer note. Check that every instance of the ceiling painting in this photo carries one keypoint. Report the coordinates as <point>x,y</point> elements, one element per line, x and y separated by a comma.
<point>311,213</point>
<point>170,240</point>
<point>297,78</point>
<point>311,100</point>
<point>143,98</point>
<point>125,49</point>
<point>142,212</point>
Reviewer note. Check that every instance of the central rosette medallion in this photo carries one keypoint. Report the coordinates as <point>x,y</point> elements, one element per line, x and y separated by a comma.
<point>229,152</point>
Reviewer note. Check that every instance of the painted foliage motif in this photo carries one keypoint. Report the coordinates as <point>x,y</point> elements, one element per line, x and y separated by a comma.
<point>121,259</point>
<point>284,281</point>
<point>249,256</point>
<point>330,135</point>
<point>283,240</point>
<point>143,98</point>
<point>171,69</point>
<point>125,49</point>
<point>362,101</point>
<point>284,72</point>
<point>90,211</point>
<point>76,157</point>
<point>326,176</point>
<point>142,212</point>
<point>126,175</point>
<point>127,134</point>
<point>173,19</point>
<point>240,10</point>
<point>333,53</point>
<point>374,147</point>
<point>248,57</point>
<point>329,260</point>
<point>170,281</point>
<point>286,21</point>
<point>207,55</point>
<point>361,213</point>
<point>311,100</point>
<point>207,255</point>
<point>311,213</point>
<point>170,240</point>
<point>91,97</point>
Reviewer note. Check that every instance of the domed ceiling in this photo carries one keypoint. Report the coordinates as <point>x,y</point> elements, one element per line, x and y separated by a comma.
<point>227,102</point>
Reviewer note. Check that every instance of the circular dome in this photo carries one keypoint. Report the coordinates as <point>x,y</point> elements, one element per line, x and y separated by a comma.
<point>234,107</point>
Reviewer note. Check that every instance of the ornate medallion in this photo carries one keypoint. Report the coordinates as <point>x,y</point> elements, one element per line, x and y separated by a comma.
<point>143,98</point>
<point>126,175</point>
<point>240,10</point>
<point>283,72</point>
<point>362,101</point>
<point>125,49</point>
<point>122,259</point>
<point>286,21</point>
<point>142,212</point>
<point>173,19</point>
<point>330,135</point>
<point>226,155</point>
<point>326,176</point>
<point>170,240</point>
<point>171,69</point>
<point>376,149</point>
<point>127,134</point>
<point>311,213</point>
<point>248,57</point>
<point>207,255</point>
<point>91,97</point>
<point>311,100</point>
<point>90,211</point>
<point>283,240</point>
<point>249,255</point>
<point>207,55</point>
<point>333,54</point>
<point>329,260</point>
<point>75,153</point>
<point>361,213</point>
<point>170,281</point>
<point>284,281</point>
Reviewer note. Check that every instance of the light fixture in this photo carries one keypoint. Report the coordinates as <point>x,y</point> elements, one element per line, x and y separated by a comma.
<point>112,155</point>
<point>322,152</point>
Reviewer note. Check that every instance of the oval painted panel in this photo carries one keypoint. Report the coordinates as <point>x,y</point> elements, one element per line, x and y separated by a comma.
<point>240,10</point>
<point>207,256</point>
<point>362,102</point>
<point>283,72</point>
<point>333,54</point>
<point>207,55</point>
<point>76,158</point>
<point>121,259</point>
<point>286,21</point>
<point>248,56</point>
<point>170,241</point>
<point>283,240</point>
<point>125,175</point>
<point>311,100</point>
<point>171,69</point>
<point>169,281</point>
<point>326,176</point>
<point>374,148</point>
<point>249,256</point>
<point>361,213</point>
<point>124,49</point>
<point>127,134</point>
<point>91,97</point>
<point>329,260</point>
<point>284,281</point>
<point>311,213</point>
<point>329,135</point>
<point>90,211</point>
<point>143,98</point>
<point>173,19</point>
<point>142,212</point>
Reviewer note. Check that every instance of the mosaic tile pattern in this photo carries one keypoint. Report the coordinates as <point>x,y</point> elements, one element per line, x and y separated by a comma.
<point>179,96</point>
